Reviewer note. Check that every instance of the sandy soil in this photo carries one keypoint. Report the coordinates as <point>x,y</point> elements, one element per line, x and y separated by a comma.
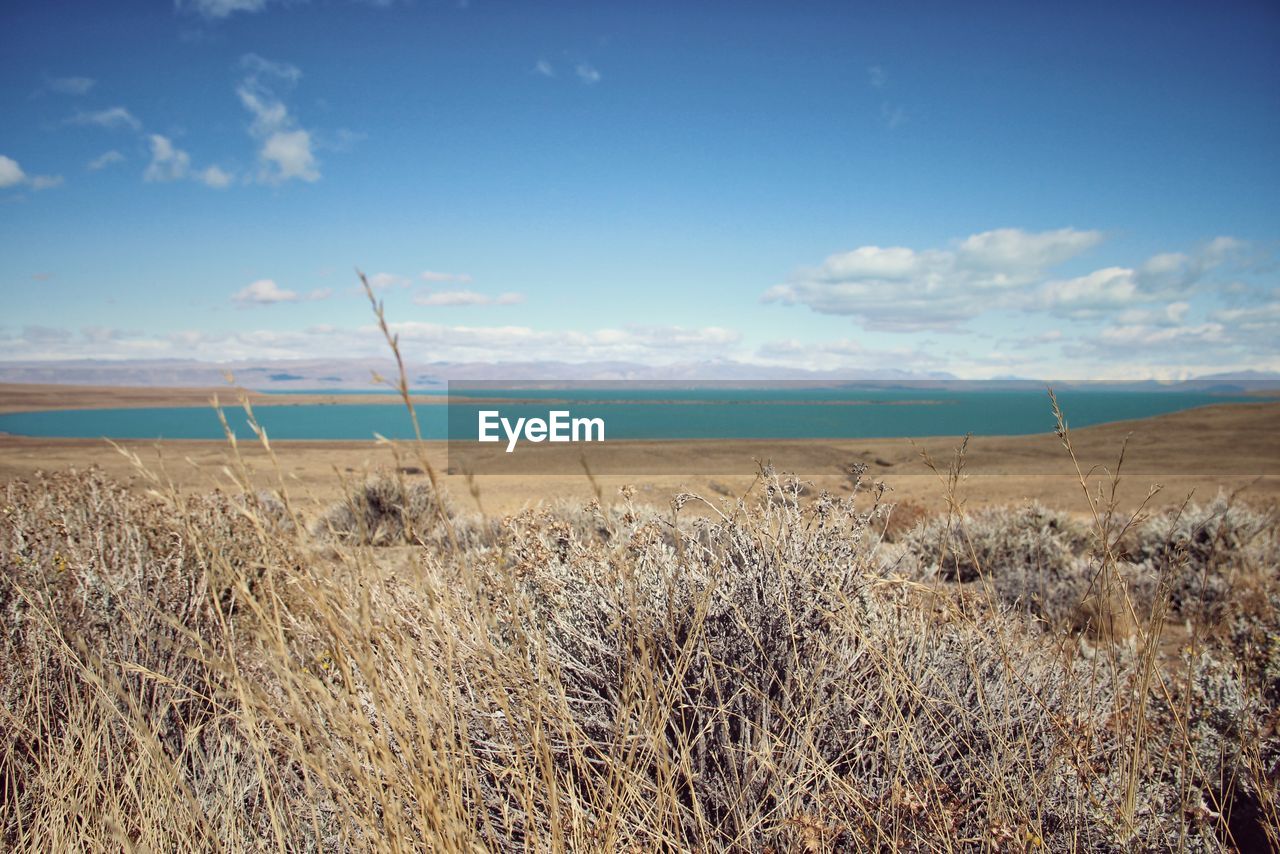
<point>1227,446</point>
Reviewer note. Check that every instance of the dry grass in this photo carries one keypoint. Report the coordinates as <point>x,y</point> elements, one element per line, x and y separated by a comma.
<point>206,673</point>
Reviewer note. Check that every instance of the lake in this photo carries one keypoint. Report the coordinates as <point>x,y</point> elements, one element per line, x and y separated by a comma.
<point>648,413</point>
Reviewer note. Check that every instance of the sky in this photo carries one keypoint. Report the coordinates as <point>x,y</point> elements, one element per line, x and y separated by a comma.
<point>1078,191</point>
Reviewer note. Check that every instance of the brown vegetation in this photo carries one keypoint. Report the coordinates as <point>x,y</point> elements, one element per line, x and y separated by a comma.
<point>214,672</point>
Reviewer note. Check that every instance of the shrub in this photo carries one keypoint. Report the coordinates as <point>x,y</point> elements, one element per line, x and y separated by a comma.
<point>108,714</point>
<point>1229,752</point>
<point>997,540</point>
<point>1027,557</point>
<point>800,699</point>
<point>1218,556</point>
<point>386,509</point>
<point>190,673</point>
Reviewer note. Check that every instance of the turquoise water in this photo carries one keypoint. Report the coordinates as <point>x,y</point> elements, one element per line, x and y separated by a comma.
<point>716,413</point>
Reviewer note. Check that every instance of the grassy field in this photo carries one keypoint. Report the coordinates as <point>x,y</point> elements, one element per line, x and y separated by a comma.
<point>384,667</point>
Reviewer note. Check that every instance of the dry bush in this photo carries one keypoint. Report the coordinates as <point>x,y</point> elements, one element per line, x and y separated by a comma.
<point>1219,555</point>
<point>386,509</point>
<point>1222,561</point>
<point>1227,756</point>
<point>187,674</point>
<point>745,683</point>
<point>800,698</point>
<point>902,518</point>
<point>1027,539</point>
<point>110,720</point>
<point>1030,557</point>
<point>1216,567</point>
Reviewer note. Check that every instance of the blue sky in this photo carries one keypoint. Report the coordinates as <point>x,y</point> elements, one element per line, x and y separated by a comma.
<point>1087,190</point>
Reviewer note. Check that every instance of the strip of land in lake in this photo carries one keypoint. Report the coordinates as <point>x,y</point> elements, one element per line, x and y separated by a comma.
<point>25,397</point>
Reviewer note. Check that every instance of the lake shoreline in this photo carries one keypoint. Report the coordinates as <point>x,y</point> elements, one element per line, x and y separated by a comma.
<point>148,414</point>
<point>1223,446</point>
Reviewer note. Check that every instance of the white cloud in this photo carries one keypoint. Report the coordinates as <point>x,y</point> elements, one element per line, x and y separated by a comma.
<point>1221,248</point>
<point>1141,336</point>
<point>45,334</point>
<point>289,153</point>
<point>1165,263</point>
<point>269,115</point>
<point>111,118</point>
<point>847,354</point>
<point>434,276</point>
<point>1101,289</point>
<point>466,297</point>
<point>102,161</point>
<point>220,9</point>
<point>286,149</point>
<point>422,342</point>
<point>587,73</point>
<point>11,173</point>
<point>1151,304</point>
<point>69,85</point>
<point>544,68</point>
<point>263,292</point>
<point>521,343</point>
<point>261,73</point>
<point>451,298</point>
<point>168,163</point>
<point>1158,345</point>
<point>215,177</point>
<point>102,334</point>
<point>1257,326</point>
<point>342,140</point>
<point>1161,279</point>
<point>1126,351</point>
<point>320,294</point>
<point>383,281</point>
<point>893,116</point>
<point>1176,312</point>
<point>1173,314</point>
<point>1165,318</point>
<point>216,9</point>
<point>1021,253</point>
<point>1027,342</point>
<point>903,289</point>
<point>1258,314</point>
